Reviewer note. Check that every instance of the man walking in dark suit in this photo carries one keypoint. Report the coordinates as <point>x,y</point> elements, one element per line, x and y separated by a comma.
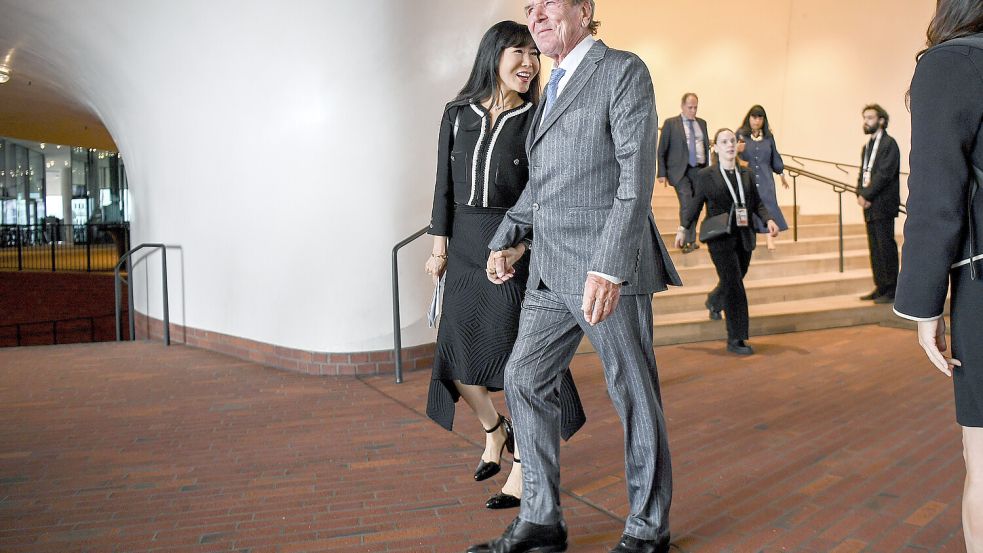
<point>879,194</point>
<point>596,260</point>
<point>684,149</point>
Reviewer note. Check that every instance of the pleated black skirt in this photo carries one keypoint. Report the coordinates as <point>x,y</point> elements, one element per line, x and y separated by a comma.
<point>479,322</point>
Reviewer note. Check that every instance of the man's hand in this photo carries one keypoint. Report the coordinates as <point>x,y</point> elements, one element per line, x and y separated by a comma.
<point>862,202</point>
<point>773,229</point>
<point>663,181</point>
<point>680,238</point>
<point>931,337</point>
<point>601,297</point>
<point>500,266</point>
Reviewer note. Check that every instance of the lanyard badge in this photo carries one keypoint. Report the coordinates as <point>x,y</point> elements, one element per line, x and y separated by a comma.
<point>740,209</point>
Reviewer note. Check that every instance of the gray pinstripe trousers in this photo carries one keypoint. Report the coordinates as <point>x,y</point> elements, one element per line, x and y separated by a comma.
<point>550,328</point>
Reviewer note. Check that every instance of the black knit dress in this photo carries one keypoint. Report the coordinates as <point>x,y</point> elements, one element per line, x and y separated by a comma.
<point>481,171</point>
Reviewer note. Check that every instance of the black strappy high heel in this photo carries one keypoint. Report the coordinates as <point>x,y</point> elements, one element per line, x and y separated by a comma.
<point>502,500</point>
<point>486,469</point>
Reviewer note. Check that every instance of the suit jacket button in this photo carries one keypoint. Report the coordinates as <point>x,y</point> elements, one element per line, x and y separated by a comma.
<point>535,207</point>
<point>452,158</point>
<point>516,162</point>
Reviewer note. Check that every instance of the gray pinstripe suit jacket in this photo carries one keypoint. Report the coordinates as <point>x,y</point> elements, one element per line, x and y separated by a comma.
<point>591,171</point>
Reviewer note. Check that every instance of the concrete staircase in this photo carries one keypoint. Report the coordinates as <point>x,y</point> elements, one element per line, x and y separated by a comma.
<point>797,287</point>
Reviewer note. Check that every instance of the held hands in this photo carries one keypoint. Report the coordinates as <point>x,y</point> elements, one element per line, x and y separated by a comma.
<point>601,297</point>
<point>773,229</point>
<point>500,266</point>
<point>931,337</point>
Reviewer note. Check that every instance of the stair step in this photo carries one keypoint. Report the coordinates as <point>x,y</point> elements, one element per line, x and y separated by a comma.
<point>786,249</point>
<point>780,268</point>
<point>772,318</point>
<point>768,290</point>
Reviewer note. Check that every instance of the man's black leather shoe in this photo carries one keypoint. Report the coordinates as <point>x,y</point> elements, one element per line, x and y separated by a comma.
<point>526,537</point>
<point>631,544</point>
<point>739,347</point>
<point>871,296</point>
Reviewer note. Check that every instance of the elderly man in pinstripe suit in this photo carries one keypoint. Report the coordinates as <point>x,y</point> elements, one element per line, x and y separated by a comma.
<point>596,259</point>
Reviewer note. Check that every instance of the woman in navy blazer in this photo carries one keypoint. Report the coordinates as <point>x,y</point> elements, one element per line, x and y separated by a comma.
<point>716,187</point>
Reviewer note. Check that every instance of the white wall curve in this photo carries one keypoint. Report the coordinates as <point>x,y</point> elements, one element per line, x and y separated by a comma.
<point>280,147</point>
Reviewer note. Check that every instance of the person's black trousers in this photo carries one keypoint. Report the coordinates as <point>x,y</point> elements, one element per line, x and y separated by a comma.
<point>883,255</point>
<point>685,192</point>
<point>731,261</point>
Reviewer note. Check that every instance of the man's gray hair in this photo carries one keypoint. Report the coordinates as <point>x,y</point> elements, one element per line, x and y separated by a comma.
<point>593,25</point>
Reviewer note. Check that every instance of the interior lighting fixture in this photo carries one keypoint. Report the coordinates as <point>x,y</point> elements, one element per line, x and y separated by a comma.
<point>42,145</point>
<point>4,74</point>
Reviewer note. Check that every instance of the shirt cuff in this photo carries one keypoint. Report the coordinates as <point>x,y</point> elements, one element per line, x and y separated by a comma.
<point>917,319</point>
<point>608,278</point>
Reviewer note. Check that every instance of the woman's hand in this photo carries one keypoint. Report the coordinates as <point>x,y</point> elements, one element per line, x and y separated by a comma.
<point>436,265</point>
<point>931,337</point>
<point>784,182</point>
<point>680,238</point>
<point>773,229</point>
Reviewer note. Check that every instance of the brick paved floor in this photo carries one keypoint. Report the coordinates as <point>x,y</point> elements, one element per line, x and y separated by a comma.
<point>840,440</point>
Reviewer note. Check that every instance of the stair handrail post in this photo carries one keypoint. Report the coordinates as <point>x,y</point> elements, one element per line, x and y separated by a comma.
<point>839,194</point>
<point>397,330</point>
<point>129,300</point>
<point>795,207</point>
<point>167,318</point>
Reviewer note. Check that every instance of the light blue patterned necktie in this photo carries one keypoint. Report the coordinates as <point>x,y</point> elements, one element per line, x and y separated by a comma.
<point>551,89</point>
<point>691,143</point>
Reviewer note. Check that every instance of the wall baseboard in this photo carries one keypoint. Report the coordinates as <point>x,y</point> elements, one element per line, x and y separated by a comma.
<point>297,360</point>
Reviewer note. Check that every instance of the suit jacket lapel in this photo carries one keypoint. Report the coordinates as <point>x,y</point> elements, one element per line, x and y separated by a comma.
<point>534,128</point>
<point>571,90</point>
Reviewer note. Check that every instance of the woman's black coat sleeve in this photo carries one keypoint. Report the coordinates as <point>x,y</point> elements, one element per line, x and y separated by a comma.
<point>442,216</point>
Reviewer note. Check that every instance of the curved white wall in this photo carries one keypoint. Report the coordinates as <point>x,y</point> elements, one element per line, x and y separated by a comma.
<point>281,147</point>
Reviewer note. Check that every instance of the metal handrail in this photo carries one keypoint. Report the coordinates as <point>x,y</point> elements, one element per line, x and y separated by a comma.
<point>117,280</point>
<point>837,164</point>
<point>397,333</point>
<point>839,187</point>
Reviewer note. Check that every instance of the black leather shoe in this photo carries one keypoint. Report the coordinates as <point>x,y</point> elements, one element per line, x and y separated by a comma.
<point>886,298</point>
<point>526,537</point>
<point>503,500</point>
<point>631,544</point>
<point>488,469</point>
<point>739,347</point>
<point>714,312</point>
<point>871,296</point>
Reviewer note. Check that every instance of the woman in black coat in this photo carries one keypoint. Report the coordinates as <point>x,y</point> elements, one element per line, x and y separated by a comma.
<point>481,171</point>
<point>945,225</point>
<point>726,188</point>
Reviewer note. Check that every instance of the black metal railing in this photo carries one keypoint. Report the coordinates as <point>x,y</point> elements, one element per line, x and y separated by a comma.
<point>126,258</point>
<point>56,247</point>
<point>397,333</point>
<point>72,330</point>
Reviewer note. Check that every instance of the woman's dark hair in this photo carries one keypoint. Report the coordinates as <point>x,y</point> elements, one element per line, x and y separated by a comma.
<point>483,82</point>
<point>756,111</point>
<point>714,158</point>
<point>954,19</point>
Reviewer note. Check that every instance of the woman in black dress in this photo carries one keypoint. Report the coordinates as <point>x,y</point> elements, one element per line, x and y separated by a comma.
<point>944,229</point>
<point>726,188</point>
<point>481,171</point>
